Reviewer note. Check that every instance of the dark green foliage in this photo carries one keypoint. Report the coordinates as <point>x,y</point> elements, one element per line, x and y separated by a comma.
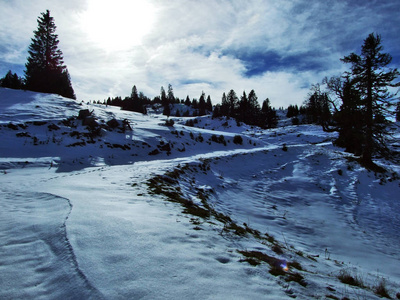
<point>269,118</point>
<point>209,106</point>
<point>237,139</point>
<point>292,111</point>
<point>167,110</point>
<point>169,122</point>
<point>202,104</point>
<point>370,77</point>
<point>11,81</point>
<point>218,139</point>
<point>317,107</point>
<point>246,110</point>
<point>45,71</point>
<point>350,121</point>
<point>136,102</point>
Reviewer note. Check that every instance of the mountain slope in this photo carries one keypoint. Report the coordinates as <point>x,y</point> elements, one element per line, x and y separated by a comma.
<point>161,212</point>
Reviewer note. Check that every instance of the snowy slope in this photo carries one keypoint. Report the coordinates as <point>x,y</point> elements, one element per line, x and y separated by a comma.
<point>81,219</point>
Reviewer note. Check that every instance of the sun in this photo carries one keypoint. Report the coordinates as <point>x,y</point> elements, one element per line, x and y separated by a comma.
<point>115,25</point>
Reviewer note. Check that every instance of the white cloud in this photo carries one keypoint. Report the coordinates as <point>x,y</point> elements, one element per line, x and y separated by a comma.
<point>200,45</point>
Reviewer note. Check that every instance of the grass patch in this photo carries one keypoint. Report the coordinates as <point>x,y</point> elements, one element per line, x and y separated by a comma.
<point>296,277</point>
<point>347,278</point>
<point>381,289</point>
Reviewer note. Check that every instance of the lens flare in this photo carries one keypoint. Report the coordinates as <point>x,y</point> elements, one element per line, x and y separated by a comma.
<point>285,266</point>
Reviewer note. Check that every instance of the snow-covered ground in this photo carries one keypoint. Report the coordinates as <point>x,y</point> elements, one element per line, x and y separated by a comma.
<point>110,215</point>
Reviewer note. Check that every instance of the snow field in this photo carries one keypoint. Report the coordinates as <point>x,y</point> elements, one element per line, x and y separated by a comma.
<point>82,222</point>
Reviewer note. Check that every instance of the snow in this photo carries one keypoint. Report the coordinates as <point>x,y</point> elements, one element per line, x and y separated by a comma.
<point>79,222</point>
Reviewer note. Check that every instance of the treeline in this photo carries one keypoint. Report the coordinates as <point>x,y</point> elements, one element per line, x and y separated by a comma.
<point>138,102</point>
<point>246,109</point>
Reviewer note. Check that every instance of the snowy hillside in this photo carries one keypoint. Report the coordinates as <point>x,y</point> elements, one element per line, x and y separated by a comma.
<point>126,207</point>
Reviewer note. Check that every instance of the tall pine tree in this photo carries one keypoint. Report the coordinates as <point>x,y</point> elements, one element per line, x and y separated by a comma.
<point>371,77</point>
<point>45,70</point>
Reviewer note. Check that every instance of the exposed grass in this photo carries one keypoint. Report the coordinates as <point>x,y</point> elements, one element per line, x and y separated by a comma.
<point>347,278</point>
<point>381,289</point>
<point>168,185</point>
<point>277,266</point>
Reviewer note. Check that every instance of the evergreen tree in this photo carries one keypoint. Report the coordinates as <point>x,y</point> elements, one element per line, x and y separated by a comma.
<point>371,77</point>
<point>224,110</point>
<point>134,93</point>
<point>170,95</point>
<point>187,101</point>
<point>254,111</point>
<point>167,110</point>
<point>233,103</point>
<point>217,111</point>
<point>292,111</point>
<point>202,104</point>
<point>270,119</point>
<point>350,119</point>
<point>45,71</point>
<point>318,107</point>
<point>209,106</point>
<point>243,108</point>
<point>163,96</point>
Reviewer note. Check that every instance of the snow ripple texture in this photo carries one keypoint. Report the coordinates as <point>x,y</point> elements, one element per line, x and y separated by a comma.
<point>34,241</point>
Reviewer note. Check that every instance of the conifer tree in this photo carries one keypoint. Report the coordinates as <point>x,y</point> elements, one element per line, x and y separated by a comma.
<point>170,96</point>
<point>233,103</point>
<point>45,70</point>
<point>371,77</point>
<point>209,106</point>
<point>202,104</point>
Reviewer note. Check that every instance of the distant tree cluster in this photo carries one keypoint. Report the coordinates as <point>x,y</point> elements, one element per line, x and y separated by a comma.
<point>12,81</point>
<point>45,71</point>
<point>246,110</point>
<point>138,102</point>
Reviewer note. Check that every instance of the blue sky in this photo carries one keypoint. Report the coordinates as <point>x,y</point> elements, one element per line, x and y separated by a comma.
<point>276,47</point>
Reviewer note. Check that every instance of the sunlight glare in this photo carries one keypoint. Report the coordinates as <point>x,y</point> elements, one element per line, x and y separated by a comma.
<point>118,24</point>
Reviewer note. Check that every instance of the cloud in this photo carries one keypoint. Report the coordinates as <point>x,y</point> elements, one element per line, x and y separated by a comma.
<point>278,48</point>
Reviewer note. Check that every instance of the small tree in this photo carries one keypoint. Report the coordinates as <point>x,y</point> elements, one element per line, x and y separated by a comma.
<point>45,71</point>
<point>202,104</point>
<point>170,96</point>
<point>209,106</point>
<point>371,77</point>
<point>270,119</point>
<point>233,103</point>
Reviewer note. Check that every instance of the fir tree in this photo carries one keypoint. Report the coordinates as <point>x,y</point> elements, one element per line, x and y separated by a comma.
<point>233,103</point>
<point>371,77</point>
<point>209,106</point>
<point>202,104</point>
<point>45,71</point>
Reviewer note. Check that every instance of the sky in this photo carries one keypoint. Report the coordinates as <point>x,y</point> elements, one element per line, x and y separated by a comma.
<point>276,47</point>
